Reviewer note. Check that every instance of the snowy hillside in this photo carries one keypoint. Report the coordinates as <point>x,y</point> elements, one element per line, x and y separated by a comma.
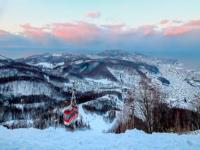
<point>37,88</point>
<point>104,70</point>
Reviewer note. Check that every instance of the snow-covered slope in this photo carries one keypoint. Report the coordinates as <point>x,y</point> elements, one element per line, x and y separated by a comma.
<point>58,139</point>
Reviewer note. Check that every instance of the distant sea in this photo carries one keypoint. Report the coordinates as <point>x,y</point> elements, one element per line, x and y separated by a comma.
<point>191,59</point>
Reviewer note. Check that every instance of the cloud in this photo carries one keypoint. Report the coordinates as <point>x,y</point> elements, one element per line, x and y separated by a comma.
<point>76,31</point>
<point>147,29</point>
<point>177,21</point>
<point>190,26</point>
<point>116,28</point>
<point>81,35</point>
<point>163,22</point>
<point>93,14</point>
<point>193,23</point>
<point>80,31</point>
<point>30,31</point>
<point>172,31</point>
<point>12,40</point>
<point>2,32</point>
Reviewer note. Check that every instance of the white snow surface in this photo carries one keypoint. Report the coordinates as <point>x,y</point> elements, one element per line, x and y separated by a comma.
<point>60,139</point>
<point>95,121</point>
<point>45,65</point>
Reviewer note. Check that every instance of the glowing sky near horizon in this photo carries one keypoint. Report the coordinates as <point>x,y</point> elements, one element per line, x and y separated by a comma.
<point>100,24</point>
<point>129,12</point>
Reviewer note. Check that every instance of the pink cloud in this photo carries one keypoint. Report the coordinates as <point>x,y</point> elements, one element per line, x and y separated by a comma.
<point>147,29</point>
<point>83,31</point>
<point>75,31</point>
<point>83,35</point>
<point>194,23</point>
<point>2,32</point>
<point>30,31</point>
<point>171,31</point>
<point>93,14</point>
<point>163,22</point>
<point>183,28</point>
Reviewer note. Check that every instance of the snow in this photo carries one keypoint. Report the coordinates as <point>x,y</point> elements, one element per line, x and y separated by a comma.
<point>57,55</point>
<point>89,84</point>
<point>95,121</point>
<point>178,89</point>
<point>26,88</point>
<point>45,65</point>
<point>102,81</point>
<point>18,88</point>
<point>49,65</point>
<point>11,122</point>
<point>33,105</point>
<point>60,64</point>
<point>59,138</point>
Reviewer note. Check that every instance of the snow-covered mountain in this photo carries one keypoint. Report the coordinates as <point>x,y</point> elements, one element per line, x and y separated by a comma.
<point>37,86</point>
<point>105,69</point>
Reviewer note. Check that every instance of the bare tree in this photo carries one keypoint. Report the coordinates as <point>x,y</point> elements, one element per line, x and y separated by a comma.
<point>149,100</point>
<point>196,102</point>
<point>129,105</point>
<point>125,118</point>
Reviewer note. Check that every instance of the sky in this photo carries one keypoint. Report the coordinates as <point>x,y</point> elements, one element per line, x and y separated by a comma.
<point>162,28</point>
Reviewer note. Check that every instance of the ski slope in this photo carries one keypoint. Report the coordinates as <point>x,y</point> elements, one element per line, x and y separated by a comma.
<point>59,139</point>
